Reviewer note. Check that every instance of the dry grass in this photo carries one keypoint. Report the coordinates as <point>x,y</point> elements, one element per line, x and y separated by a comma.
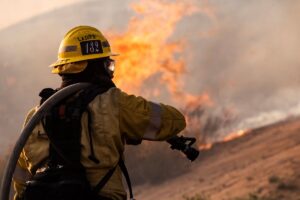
<point>196,197</point>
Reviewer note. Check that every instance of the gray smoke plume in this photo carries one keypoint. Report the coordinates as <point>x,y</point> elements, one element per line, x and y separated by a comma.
<point>250,63</point>
<point>246,58</point>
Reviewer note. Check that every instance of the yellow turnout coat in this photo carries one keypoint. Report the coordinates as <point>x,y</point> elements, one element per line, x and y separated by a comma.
<point>116,117</point>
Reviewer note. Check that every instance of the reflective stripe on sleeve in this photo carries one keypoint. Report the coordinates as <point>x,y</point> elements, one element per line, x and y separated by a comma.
<point>154,122</point>
<point>21,174</point>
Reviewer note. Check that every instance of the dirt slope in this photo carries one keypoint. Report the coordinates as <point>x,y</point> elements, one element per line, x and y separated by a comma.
<point>263,165</point>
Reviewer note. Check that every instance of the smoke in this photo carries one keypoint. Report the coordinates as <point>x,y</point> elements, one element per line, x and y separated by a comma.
<point>28,48</point>
<point>19,10</point>
<point>248,61</point>
<point>243,54</point>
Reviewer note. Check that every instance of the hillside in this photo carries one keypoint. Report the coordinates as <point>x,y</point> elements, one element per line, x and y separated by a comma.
<point>264,163</point>
<point>236,68</point>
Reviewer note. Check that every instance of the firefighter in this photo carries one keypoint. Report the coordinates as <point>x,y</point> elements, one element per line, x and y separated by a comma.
<point>115,118</point>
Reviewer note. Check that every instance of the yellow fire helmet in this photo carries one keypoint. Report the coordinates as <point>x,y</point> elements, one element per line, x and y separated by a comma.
<point>80,44</point>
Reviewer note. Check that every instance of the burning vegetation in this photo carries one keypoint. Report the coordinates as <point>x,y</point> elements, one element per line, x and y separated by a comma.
<point>146,45</point>
<point>159,64</point>
<point>155,62</point>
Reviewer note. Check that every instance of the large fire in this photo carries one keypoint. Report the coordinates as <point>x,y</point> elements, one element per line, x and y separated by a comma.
<point>151,58</point>
<point>148,53</point>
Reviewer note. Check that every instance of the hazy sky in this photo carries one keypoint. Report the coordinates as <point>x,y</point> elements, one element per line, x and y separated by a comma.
<point>12,12</point>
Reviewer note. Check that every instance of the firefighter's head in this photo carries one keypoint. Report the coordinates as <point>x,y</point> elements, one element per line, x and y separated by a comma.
<point>84,48</point>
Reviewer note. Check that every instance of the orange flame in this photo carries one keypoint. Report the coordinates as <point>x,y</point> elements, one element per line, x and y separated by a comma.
<point>148,54</point>
<point>235,135</point>
<point>205,146</point>
<point>229,137</point>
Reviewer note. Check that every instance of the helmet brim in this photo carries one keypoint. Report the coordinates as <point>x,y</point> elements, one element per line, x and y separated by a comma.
<point>81,58</point>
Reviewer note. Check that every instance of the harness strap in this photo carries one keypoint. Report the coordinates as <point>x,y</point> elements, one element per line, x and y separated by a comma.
<point>108,175</point>
<point>104,180</point>
<point>126,174</point>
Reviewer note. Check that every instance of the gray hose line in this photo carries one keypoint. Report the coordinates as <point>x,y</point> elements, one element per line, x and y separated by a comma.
<point>46,106</point>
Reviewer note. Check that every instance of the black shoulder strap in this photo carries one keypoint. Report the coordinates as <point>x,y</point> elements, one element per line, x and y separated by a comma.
<point>108,175</point>
<point>126,174</point>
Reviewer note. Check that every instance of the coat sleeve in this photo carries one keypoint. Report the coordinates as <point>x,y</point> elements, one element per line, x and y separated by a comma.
<point>22,174</point>
<point>141,119</point>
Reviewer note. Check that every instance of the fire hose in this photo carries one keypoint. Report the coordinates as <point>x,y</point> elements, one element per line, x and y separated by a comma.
<point>45,107</point>
<point>178,143</point>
